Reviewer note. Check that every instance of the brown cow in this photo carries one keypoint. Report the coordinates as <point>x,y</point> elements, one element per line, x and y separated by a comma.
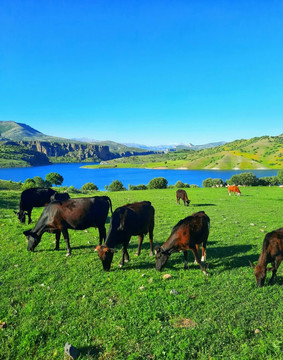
<point>272,252</point>
<point>181,194</point>
<point>75,214</point>
<point>234,189</point>
<point>188,234</point>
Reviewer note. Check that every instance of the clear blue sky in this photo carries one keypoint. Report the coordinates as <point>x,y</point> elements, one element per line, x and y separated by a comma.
<point>150,72</point>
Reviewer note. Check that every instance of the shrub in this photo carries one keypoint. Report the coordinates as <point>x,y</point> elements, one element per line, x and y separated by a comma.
<point>234,180</point>
<point>218,182</point>
<point>158,183</point>
<point>268,181</point>
<point>89,187</point>
<point>137,187</point>
<point>72,189</point>
<point>207,182</point>
<point>116,185</point>
<point>248,179</point>
<point>194,186</point>
<point>179,184</point>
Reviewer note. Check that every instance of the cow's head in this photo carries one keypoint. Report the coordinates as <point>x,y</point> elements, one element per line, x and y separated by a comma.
<point>188,202</point>
<point>33,239</point>
<point>21,216</point>
<point>106,256</point>
<point>161,257</point>
<point>260,273</point>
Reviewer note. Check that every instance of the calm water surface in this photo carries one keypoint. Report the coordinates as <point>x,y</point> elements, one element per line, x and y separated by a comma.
<point>74,175</point>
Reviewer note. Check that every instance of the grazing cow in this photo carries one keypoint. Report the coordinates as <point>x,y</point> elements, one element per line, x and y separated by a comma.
<point>60,196</point>
<point>75,214</point>
<point>30,198</point>
<point>188,234</point>
<point>272,252</point>
<point>181,194</point>
<point>126,221</point>
<point>234,189</point>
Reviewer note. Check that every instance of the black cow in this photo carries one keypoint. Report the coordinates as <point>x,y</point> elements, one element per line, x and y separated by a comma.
<point>128,220</point>
<point>30,198</point>
<point>76,214</point>
<point>188,234</point>
<point>60,196</point>
<point>181,194</point>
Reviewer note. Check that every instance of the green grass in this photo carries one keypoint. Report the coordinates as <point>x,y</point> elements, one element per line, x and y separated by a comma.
<point>47,299</point>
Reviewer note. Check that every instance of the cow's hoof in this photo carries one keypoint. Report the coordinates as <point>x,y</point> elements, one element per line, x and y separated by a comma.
<point>68,254</point>
<point>151,253</point>
<point>205,273</point>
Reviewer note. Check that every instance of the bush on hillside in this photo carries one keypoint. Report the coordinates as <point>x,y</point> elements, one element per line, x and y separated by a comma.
<point>116,185</point>
<point>138,187</point>
<point>28,184</point>
<point>54,178</point>
<point>268,181</point>
<point>89,187</point>
<point>179,184</point>
<point>207,182</point>
<point>158,183</point>
<point>280,176</point>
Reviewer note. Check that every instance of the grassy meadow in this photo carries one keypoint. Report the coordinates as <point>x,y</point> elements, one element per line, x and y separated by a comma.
<point>48,299</point>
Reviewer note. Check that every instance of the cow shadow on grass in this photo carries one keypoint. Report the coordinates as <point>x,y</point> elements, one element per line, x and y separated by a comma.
<point>200,205</point>
<point>90,351</point>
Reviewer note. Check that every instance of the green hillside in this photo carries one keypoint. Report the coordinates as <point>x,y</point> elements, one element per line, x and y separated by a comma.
<point>264,152</point>
<point>14,155</point>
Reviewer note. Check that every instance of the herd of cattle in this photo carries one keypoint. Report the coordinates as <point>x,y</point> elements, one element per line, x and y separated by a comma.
<point>136,219</point>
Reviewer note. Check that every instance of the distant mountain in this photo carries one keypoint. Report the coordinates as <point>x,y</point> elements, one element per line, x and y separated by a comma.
<point>176,146</point>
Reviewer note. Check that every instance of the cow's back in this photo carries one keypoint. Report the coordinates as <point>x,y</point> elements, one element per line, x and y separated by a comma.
<point>35,197</point>
<point>79,213</point>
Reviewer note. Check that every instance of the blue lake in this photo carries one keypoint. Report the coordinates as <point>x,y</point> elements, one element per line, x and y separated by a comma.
<point>74,175</point>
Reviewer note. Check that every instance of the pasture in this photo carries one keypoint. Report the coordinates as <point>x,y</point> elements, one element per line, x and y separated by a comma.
<point>48,299</point>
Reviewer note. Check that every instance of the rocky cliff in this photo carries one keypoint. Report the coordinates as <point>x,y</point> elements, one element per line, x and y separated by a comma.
<point>75,150</point>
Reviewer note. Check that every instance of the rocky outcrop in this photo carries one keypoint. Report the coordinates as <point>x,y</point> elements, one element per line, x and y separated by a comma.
<point>76,150</point>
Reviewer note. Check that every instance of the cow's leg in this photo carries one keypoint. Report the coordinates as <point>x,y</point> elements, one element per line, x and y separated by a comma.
<point>29,216</point>
<point>275,266</point>
<point>102,234</point>
<point>185,259</point>
<point>197,248</point>
<point>140,244</point>
<point>203,253</point>
<point>57,237</point>
<point>66,238</point>
<point>125,255</point>
<point>194,250</point>
<point>150,234</point>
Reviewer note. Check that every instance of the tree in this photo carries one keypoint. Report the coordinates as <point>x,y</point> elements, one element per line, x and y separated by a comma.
<point>158,183</point>
<point>207,182</point>
<point>39,182</point>
<point>116,185</point>
<point>179,184</point>
<point>89,187</point>
<point>234,180</point>
<point>218,182</point>
<point>248,179</point>
<point>54,178</point>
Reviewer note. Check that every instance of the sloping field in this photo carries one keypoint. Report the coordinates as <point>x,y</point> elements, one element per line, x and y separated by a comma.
<point>48,299</point>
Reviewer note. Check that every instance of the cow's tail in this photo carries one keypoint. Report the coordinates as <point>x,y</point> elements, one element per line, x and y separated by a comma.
<point>110,204</point>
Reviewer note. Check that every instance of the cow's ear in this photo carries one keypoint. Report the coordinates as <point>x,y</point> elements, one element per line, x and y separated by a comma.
<point>252,264</point>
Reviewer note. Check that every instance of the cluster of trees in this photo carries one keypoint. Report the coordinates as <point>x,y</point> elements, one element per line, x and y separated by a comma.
<point>50,179</point>
<point>246,179</point>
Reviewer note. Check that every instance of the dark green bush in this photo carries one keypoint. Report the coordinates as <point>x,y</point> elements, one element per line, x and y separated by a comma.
<point>89,187</point>
<point>116,185</point>
<point>179,184</point>
<point>158,183</point>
